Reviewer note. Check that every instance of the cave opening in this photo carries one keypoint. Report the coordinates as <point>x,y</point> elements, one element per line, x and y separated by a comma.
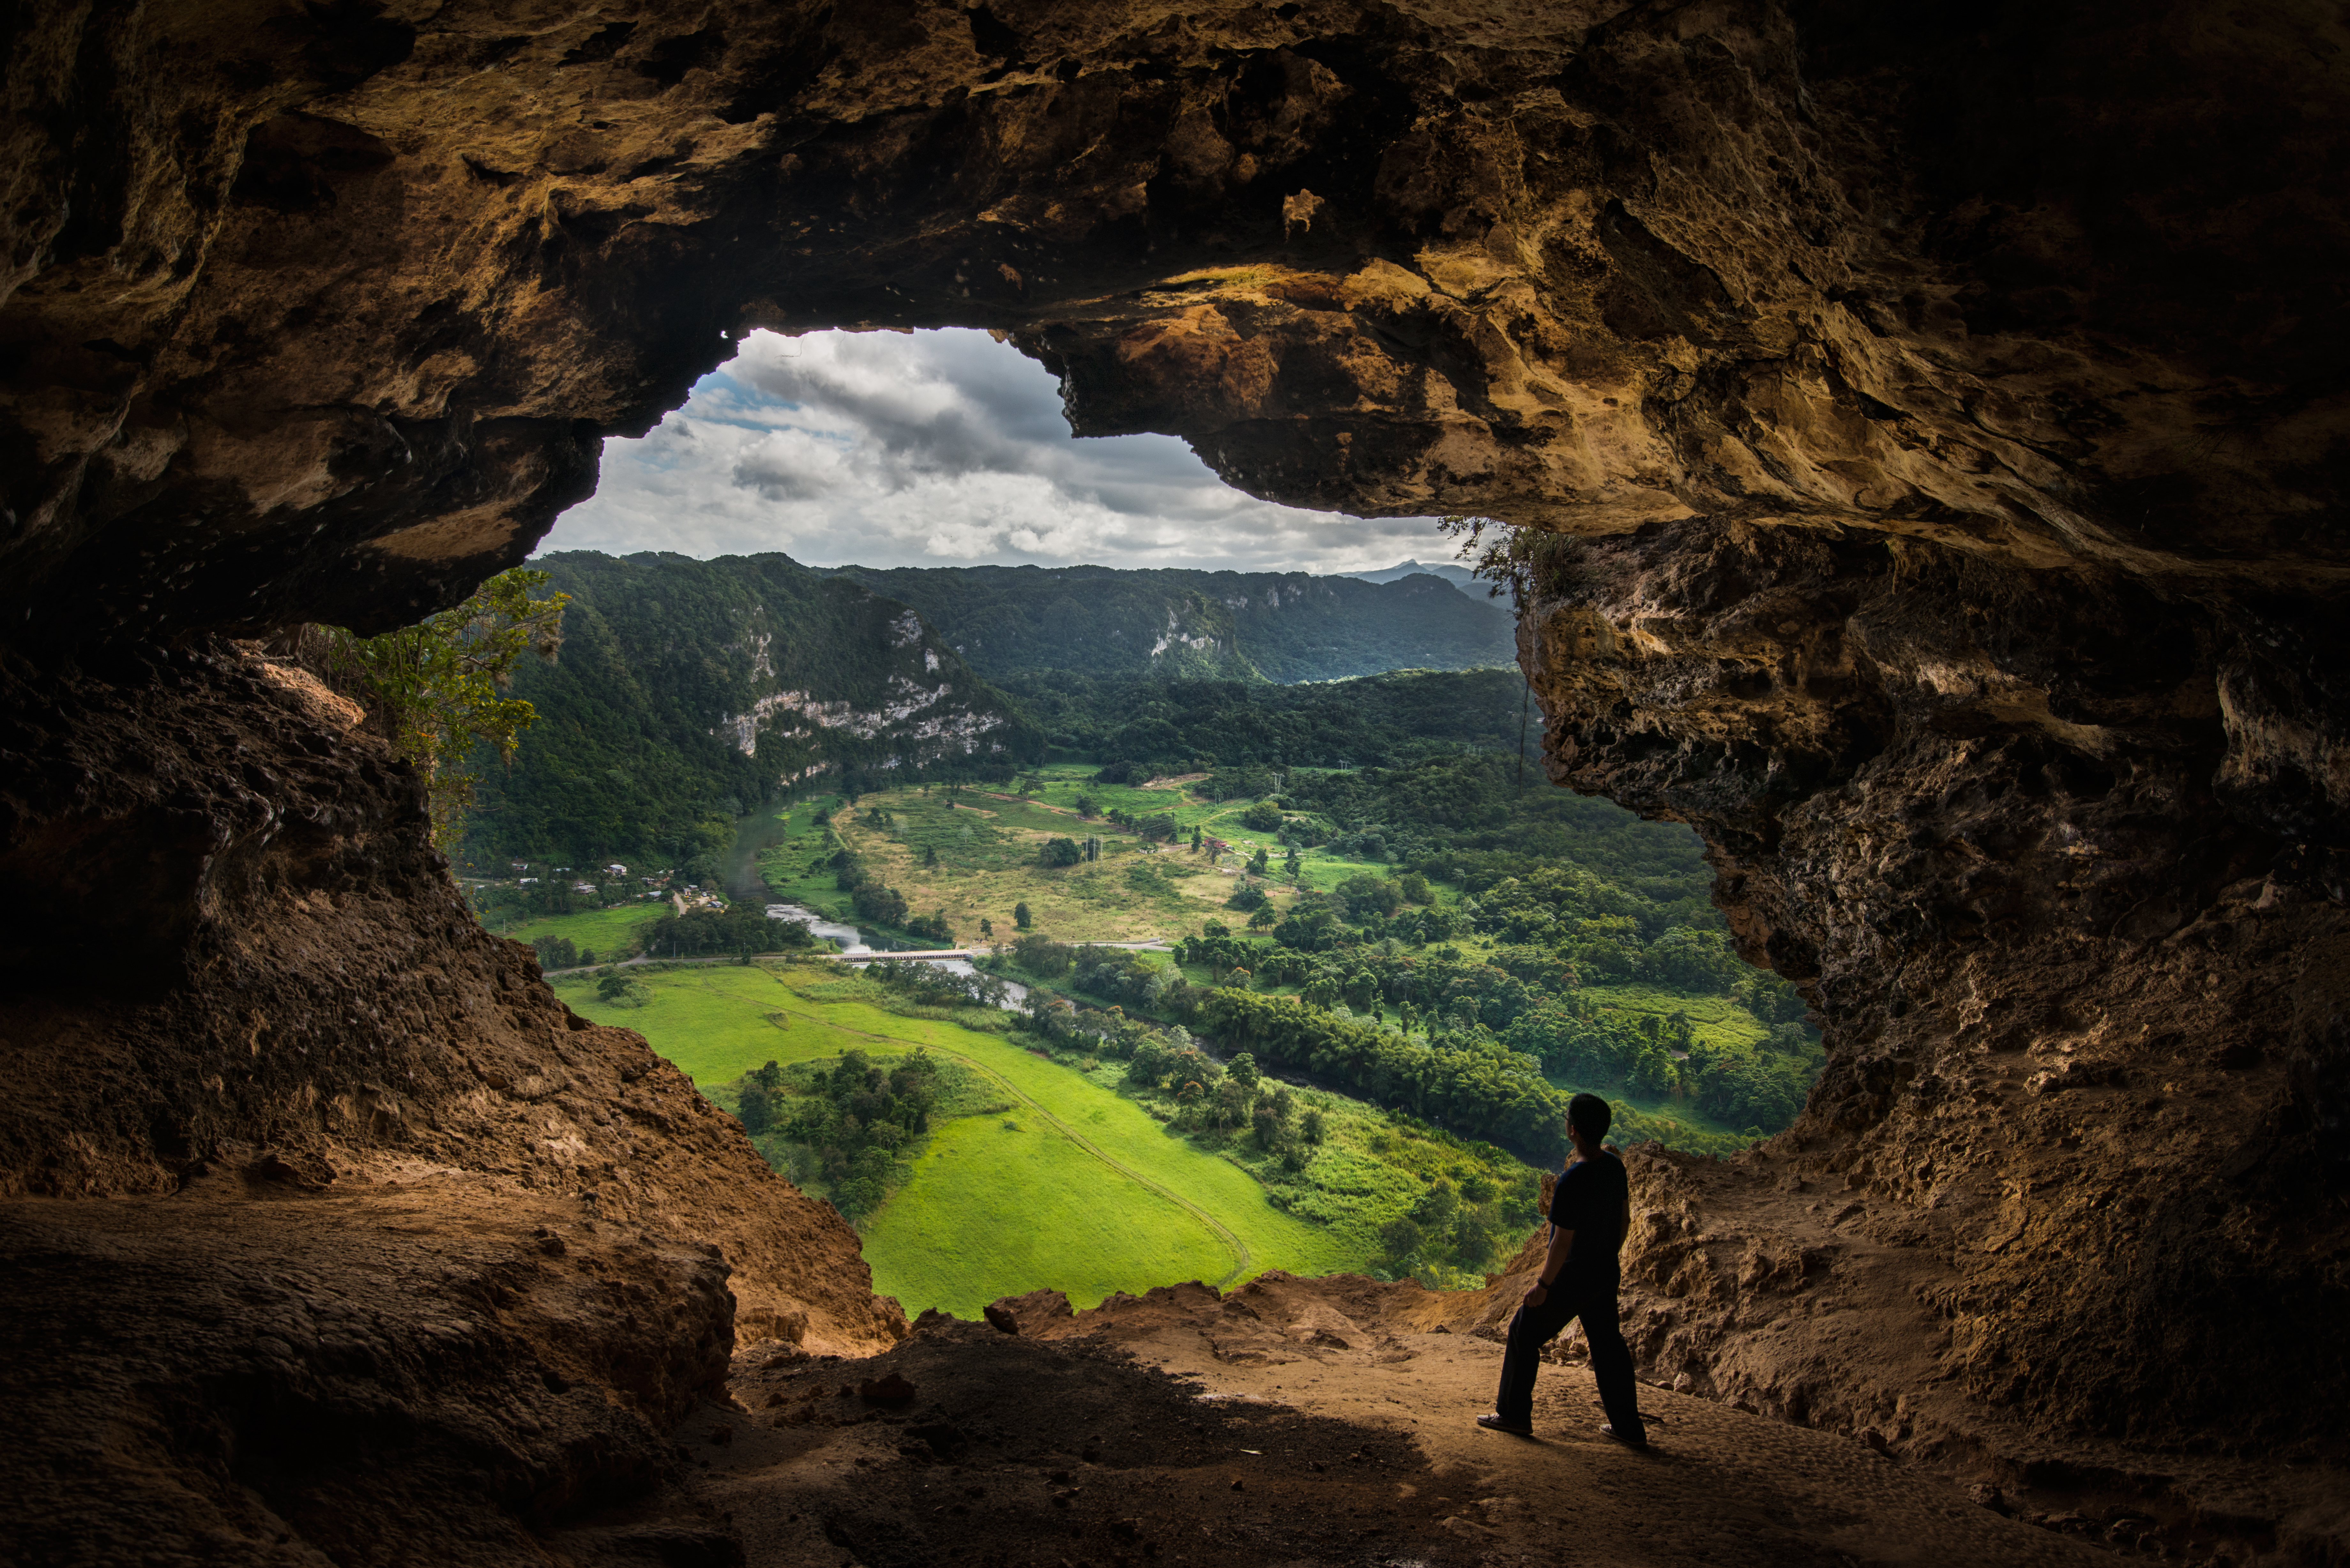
<point>1946,416</point>
<point>950,449</point>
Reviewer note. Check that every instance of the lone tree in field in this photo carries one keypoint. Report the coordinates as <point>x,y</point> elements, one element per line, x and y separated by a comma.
<point>1020,916</point>
<point>1058,852</point>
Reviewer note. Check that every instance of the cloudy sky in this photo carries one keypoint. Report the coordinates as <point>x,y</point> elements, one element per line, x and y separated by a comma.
<point>933,450</point>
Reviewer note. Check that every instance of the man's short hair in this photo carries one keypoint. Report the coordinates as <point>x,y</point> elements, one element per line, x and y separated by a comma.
<point>1590,1116</point>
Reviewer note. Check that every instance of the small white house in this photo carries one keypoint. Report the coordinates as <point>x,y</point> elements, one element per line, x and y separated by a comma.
<point>526,882</point>
<point>616,870</point>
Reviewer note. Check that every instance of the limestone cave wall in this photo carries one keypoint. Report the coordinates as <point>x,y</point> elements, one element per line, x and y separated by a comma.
<point>1925,425</point>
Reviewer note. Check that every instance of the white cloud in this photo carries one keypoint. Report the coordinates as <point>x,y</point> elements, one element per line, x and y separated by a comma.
<point>937,449</point>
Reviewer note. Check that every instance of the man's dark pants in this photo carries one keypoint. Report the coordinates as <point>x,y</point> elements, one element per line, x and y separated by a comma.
<point>1593,1300</point>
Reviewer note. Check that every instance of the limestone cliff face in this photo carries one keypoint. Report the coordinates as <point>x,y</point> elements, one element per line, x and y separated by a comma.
<point>1948,403</point>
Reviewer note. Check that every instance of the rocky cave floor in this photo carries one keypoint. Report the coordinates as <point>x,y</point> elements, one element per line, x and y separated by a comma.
<point>1270,1427</point>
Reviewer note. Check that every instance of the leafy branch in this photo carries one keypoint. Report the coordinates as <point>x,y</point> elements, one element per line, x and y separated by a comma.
<point>436,691</point>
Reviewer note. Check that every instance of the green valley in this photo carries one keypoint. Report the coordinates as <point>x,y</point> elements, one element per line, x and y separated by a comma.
<point>1302,975</point>
<point>1060,1182</point>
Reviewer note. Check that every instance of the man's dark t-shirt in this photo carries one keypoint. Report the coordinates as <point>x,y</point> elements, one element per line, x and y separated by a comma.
<point>1589,1201</point>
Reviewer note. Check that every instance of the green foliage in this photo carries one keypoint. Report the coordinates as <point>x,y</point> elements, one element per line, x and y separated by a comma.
<point>1262,817</point>
<point>1020,916</point>
<point>559,952</point>
<point>620,990</point>
<point>1479,1086</point>
<point>1043,956</point>
<point>1247,731</point>
<point>436,690</point>
<point>1365,895</point>
<point>933,985</point>
<point>847,1126</point>
<point>1059,852</point>
<point>641,733</point>
<point>740,930</point>
<point>1285,627</point>
<point>878,905</point>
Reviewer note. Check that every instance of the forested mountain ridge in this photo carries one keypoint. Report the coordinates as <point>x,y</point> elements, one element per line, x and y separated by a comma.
<point>1373,720</point>
<point>1283,626</point>
<point>688,689</point>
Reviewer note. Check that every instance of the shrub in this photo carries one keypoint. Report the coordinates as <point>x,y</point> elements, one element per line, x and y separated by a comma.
<point>620,990</point>
<point>1043,955</point>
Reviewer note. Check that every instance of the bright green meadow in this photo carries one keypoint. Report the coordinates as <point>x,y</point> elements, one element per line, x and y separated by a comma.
<point>1075,1188</point>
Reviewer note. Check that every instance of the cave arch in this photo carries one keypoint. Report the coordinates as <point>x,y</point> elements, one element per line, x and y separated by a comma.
<point>1943,416</point>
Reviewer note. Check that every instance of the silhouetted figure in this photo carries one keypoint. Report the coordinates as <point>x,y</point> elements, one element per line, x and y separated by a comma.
<point>1590,1210</point>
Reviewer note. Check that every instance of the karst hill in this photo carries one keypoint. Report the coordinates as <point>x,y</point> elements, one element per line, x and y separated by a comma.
<point>1925,428</point>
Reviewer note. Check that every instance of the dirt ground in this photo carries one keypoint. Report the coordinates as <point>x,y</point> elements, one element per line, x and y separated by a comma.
<point>1270,1428</point>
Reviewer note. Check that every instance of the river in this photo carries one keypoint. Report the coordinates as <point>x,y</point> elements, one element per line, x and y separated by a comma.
<point>852,941</point>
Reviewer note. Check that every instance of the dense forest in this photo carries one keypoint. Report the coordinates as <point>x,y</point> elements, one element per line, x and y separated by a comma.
<point>689,691</point>
<point>1281,626</point>
<point>1177,725</point>
<point>1597,944</point>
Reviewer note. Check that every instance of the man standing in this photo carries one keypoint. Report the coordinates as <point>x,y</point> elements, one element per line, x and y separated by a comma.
<point>1590,1210</point>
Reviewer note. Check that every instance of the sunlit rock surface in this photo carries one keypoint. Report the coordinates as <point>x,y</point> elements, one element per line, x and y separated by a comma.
<point>1949,408</point>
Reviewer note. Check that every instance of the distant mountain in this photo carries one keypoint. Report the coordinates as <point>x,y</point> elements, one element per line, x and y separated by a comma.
<point>1282,625</point>
<point>1461,577</point>
<point>690,690</point>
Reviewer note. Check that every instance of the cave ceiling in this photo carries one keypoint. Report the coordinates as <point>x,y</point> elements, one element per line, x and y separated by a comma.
<point>319,314</point>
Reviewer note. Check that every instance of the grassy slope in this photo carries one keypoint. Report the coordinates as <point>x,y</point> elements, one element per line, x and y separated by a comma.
<point>1117,1205</point>
<point>606,930</point>
<point>1003,1205</point>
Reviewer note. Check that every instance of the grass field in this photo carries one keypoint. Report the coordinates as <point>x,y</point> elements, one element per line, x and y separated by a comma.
<point>1712,1017</point>
<point>608,931</point>
<point>1000,1206</point>
<point>1087,1194</point>
<point>986,847</point>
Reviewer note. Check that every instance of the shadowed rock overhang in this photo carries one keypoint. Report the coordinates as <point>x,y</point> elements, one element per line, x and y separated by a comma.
<point>1928,426</point>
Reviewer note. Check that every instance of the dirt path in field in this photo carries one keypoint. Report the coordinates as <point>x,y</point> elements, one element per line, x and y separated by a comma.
<point>1240,1254</point>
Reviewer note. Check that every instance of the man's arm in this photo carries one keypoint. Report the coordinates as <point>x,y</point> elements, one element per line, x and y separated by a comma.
<point>1562,1242</point>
